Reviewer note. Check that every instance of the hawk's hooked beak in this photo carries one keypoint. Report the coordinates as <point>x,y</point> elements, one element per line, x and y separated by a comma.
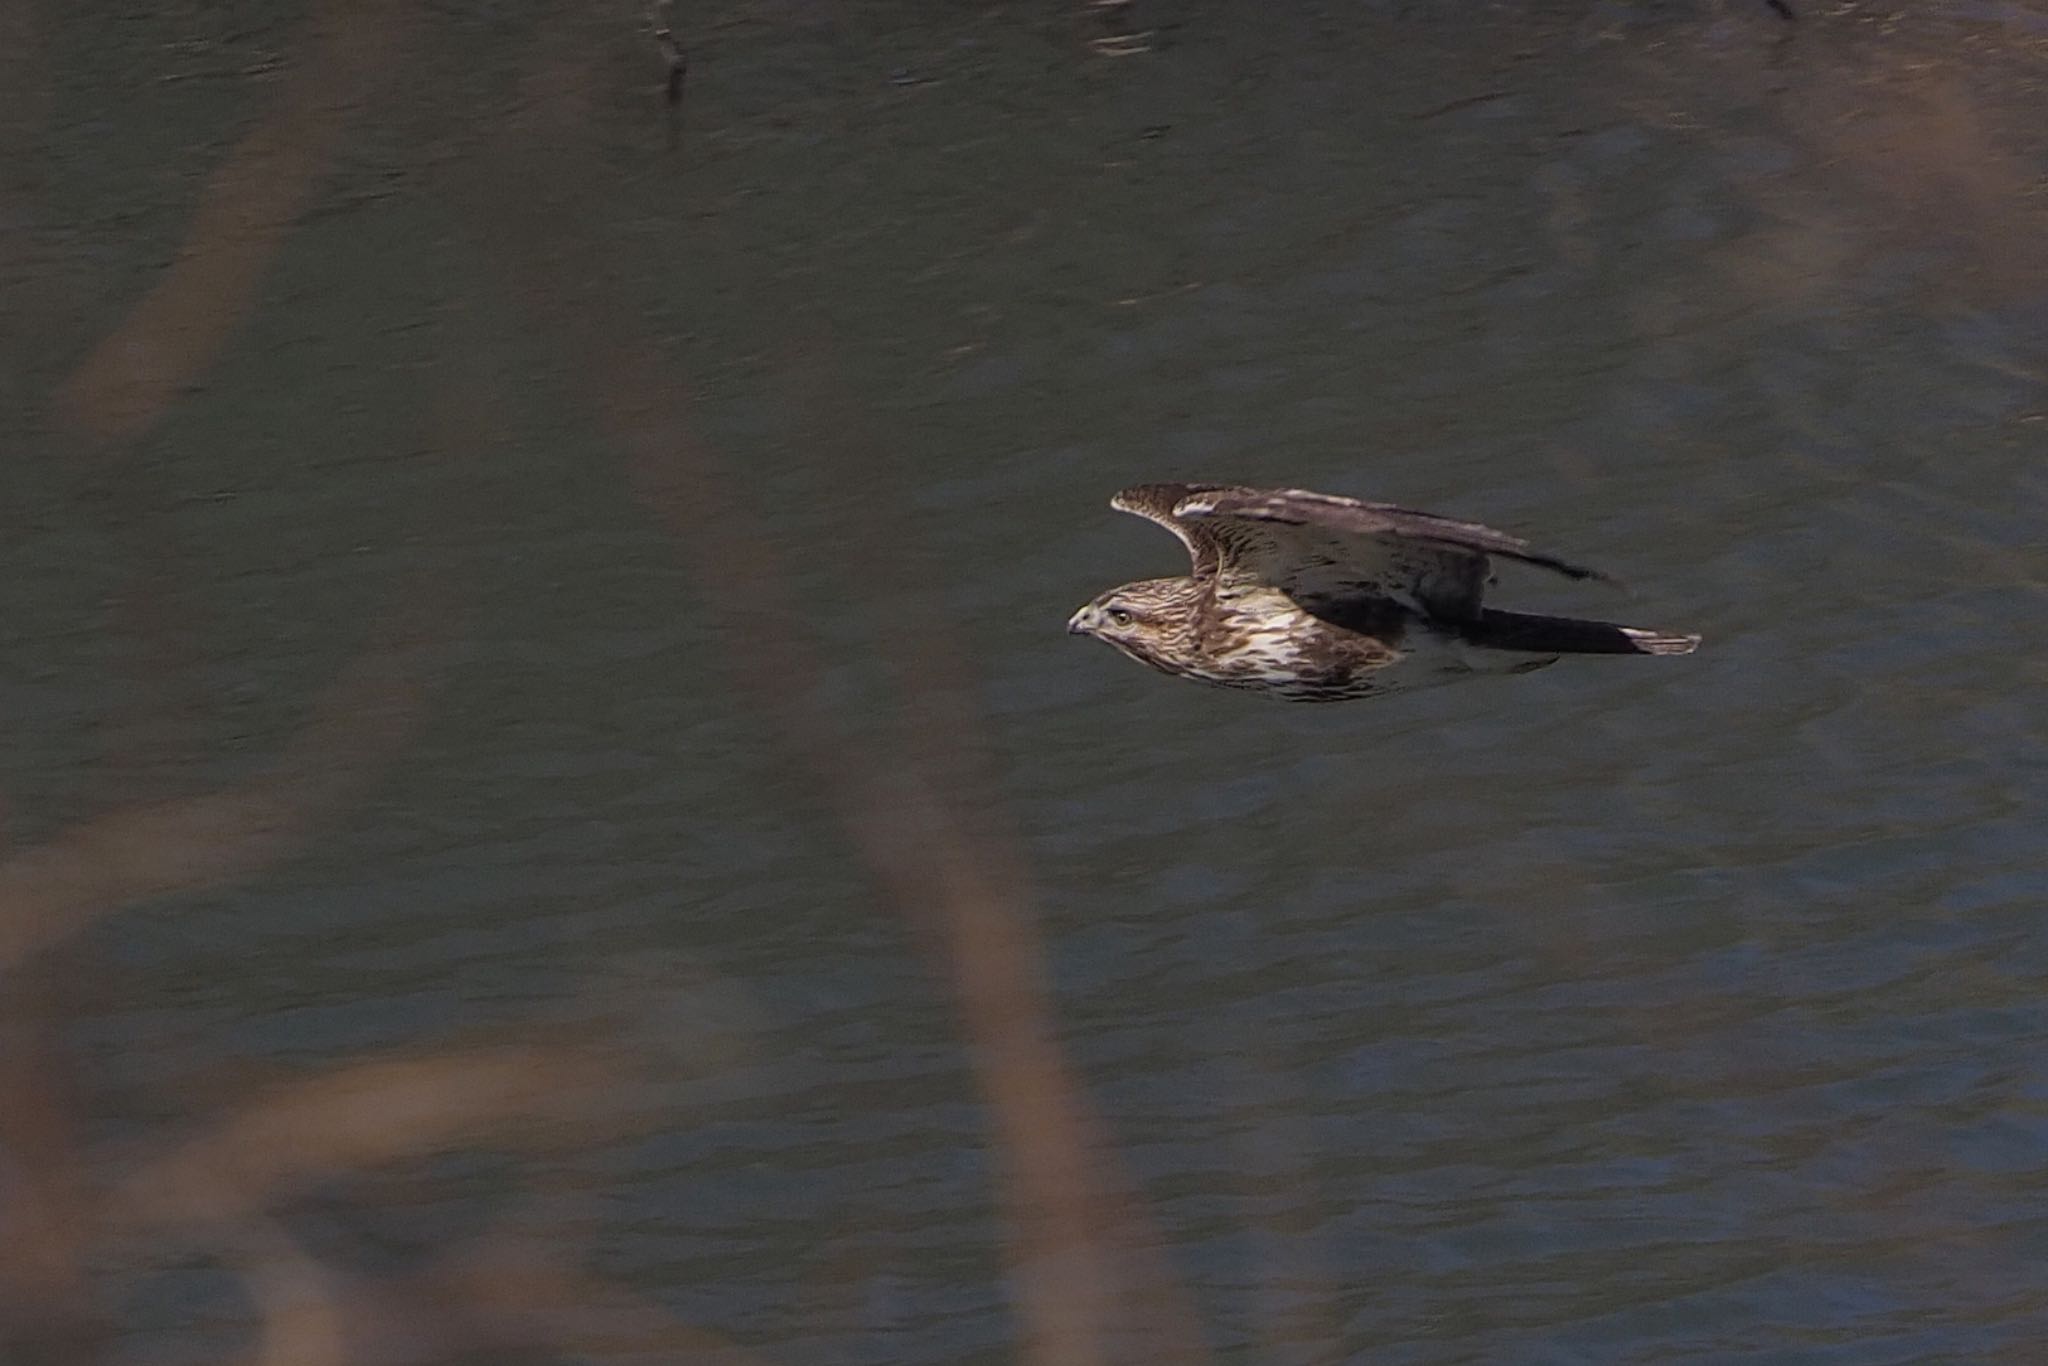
<point>1078,624</point>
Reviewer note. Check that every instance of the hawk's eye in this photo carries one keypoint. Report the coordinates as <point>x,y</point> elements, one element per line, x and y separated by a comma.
<point>1120,616</point>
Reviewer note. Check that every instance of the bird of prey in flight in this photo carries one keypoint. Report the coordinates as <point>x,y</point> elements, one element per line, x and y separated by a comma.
<point>1312,597</point>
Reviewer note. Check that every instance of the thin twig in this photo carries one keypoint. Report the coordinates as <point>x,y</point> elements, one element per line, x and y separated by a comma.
<point>660,15</point>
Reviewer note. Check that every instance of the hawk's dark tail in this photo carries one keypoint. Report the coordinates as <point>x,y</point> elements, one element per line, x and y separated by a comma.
<point>1569,636</point>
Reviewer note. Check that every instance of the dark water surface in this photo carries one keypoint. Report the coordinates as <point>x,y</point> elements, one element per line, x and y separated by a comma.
<point>550,804</point>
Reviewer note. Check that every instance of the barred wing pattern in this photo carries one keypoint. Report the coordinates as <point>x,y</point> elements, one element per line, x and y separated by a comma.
<point>1323,548</point>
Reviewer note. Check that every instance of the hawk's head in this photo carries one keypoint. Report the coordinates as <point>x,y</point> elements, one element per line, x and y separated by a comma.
<point>1147,620</point>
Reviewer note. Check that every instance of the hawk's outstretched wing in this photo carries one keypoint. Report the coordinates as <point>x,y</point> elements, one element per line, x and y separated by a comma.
<point>1318,547</point>
<point>1156,502</point>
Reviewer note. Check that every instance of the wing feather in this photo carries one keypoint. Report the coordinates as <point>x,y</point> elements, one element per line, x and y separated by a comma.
<point>1322,549</point>
<point>1156,503</point>
<point>1327,551</point>
<point>1327,512</point>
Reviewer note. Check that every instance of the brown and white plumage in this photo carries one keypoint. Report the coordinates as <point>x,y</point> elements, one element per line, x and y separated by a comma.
<point>1315,597</point>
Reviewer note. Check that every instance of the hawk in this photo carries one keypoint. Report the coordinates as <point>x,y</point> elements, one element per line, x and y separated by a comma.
<point>1316,598</point>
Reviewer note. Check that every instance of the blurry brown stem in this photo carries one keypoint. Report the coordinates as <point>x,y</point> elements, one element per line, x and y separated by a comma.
<point>358,1115</point>
<point>1085,1264</point>
<point>524,1297</point>
<point>304,1322</point>
<point>247,207</point>
<point>59,887</point>
<point>43,1290</point>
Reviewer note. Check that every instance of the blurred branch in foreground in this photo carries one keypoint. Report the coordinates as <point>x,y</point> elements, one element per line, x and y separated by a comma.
<point>248,206</point>
<point>61,887</point>
<point>218,1191</point>
<point>45,1298</point>
<point>1085,1266</point>
<point>360,1115</point>
<point>192,843</point>
<point>524,1295</point>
